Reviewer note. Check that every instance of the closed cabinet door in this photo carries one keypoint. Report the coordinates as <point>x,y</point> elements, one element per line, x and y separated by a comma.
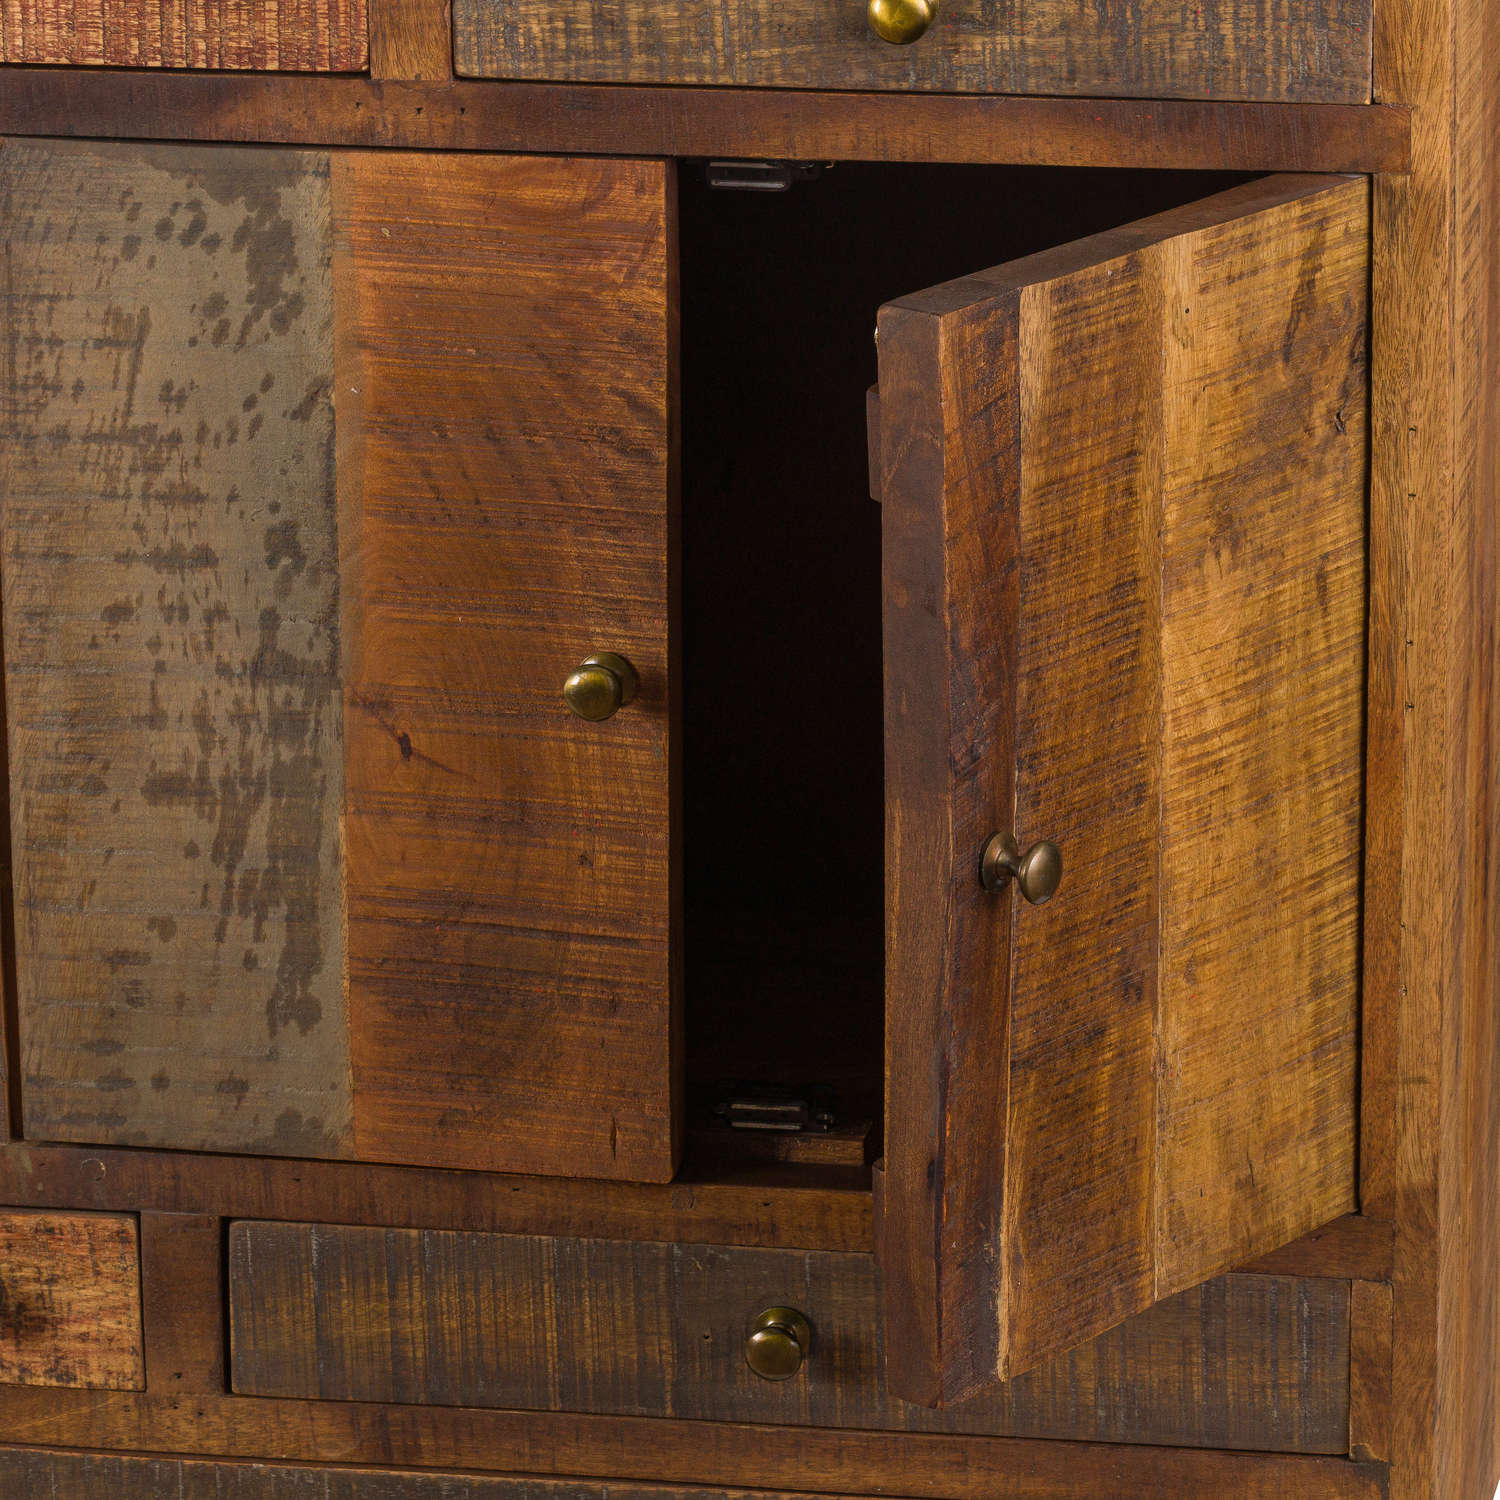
<point>323,475</point>
<point>1123,488</point>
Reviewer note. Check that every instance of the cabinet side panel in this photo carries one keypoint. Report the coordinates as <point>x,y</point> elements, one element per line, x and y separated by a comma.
<point>1263,648</point>
<point>504,354</point>
<point>172,647</point>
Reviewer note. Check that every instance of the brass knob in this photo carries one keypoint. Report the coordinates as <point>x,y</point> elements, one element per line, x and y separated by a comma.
<point>1038,871</point>
<point>779,1340</point>
<point>901,21</point>
<point>603,684</point>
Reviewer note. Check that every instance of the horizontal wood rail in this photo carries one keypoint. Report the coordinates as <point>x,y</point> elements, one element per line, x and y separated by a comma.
<point>826,1209</point>
<point>667,1451</point>
<point>642,121</point>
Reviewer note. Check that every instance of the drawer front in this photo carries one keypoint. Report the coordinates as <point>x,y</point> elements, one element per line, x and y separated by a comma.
<point>327,36</point>
<point>87,1476</point>
<point>325,471</point>
<point>641,1329</point>
<point>1224,50</point>
<point>70,1302</point>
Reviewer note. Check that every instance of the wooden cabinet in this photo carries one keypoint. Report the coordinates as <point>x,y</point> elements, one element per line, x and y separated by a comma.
<point>591,753</point>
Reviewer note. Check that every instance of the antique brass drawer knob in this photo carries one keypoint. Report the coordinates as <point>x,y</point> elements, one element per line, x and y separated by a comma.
<point>1038,872</point>
<point>901,21</point>
<point>778,1343</point>
<point>603,684</point>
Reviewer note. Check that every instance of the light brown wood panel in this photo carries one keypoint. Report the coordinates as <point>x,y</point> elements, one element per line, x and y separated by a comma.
<point>70,1314</point>
<point>1226,49</point>
<point>172,646</point>
<point>411,39</point>
<point>505,466</point>
<point>342,1313</point>
<point>1163,1084</point>
<point>324,36</point>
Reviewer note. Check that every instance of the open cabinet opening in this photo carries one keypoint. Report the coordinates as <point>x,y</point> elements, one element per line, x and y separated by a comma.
<point>782,735</point>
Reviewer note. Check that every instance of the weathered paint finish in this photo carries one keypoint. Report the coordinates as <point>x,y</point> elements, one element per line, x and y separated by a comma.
<point>171,614</point>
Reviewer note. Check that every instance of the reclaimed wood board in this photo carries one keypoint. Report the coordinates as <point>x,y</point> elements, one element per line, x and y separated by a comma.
<point>643,1329</point>
<point>172,646</point>
<point>292,36</point>
<point>86,1476</point>
<point>311,860</point>
<point>505,473</point>
<point>70,1301</point>
<point>1225,49</point>
<point>1163,1084</point>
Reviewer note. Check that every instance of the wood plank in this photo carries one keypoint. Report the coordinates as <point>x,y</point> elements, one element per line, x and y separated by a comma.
<point>1174,1060</point>
<point>653,1450</point>
<point>348,1314</point>
<point>183,1301</point>
<point>643,121</point>
<point>505,473</point>
<point>1228,51</point>
<point>411,39</point>
<point>323,36</point>
<point>168,475</point>
<point>71,1314</point>
<point>1370,1363</point>
<point>812,1208</point>
<point>82,1476</point>
<point>1354,1246</point>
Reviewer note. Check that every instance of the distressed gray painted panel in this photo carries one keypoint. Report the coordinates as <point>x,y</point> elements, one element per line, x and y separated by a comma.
<point>171,612</point>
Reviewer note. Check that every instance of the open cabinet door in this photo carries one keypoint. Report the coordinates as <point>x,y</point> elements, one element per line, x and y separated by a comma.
<point>1123,490</point>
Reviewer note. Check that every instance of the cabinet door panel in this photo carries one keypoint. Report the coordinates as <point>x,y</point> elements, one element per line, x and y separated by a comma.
<point>1123,489</point>
<point>315,490</point>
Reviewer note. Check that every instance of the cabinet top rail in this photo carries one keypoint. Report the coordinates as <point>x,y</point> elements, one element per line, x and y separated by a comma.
<point>639,121</point>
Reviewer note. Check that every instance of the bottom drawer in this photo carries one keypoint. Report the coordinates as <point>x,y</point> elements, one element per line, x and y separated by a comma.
<point>641,1329</point>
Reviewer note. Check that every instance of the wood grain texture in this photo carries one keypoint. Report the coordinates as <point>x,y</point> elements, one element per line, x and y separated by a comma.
<point>1432,1108</point>
<point>505,472</point>
<point>348,1314</point>
<point>71,1312</point>
<point>1370,1359</point>
<point>183,1302</point>
<point>322,36</point>
<point>84,1476</point>
<point>641,121</point>
<point>172,647</point>
<point>1176,1051</point>
<point>411,39</point>
<point>656,1451</point>
<point>1226,50</point>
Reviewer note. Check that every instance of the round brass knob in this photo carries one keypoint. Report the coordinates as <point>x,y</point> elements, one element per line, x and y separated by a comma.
<point>1038,872</point>
<point>901,21</point>
<point>603,684</point>
<point>778,1343</point>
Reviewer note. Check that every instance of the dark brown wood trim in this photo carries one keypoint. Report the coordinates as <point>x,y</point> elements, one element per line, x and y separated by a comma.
<point>182,1302</point>
<point>614,120</point>
<point>616,1448</point>
<point>794,1210</point>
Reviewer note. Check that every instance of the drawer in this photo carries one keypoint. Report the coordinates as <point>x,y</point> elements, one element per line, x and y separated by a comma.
<point>640,1329</point>
<point>328,36</point>
<point>70,1301</point>
<point>1226,50</point>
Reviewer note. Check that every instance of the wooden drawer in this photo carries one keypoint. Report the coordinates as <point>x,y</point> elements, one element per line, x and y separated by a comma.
<point>640,1329</point>
<point>326,36</point>
<point>1221,50</point>
<point>70,1301</point>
